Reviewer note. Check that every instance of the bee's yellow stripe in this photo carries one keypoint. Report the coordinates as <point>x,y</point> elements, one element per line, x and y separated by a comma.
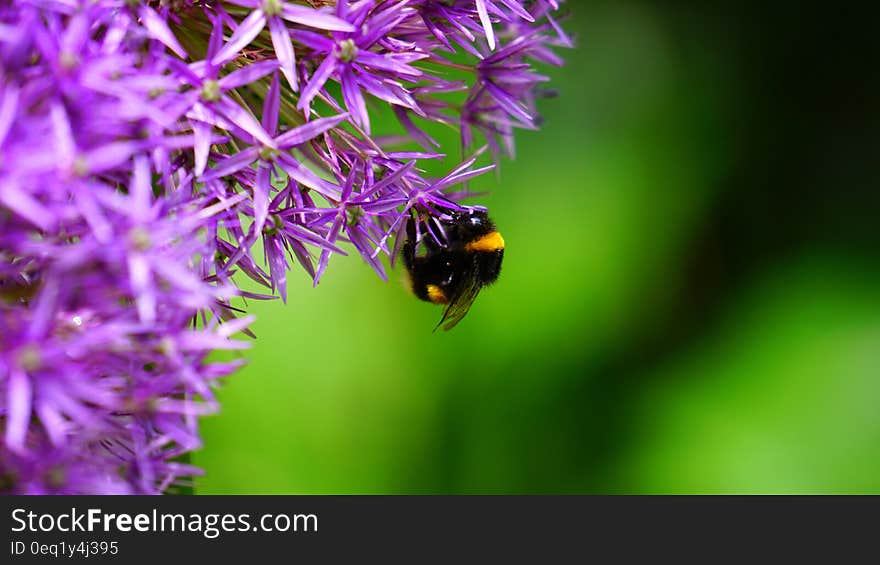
<point>492,241</point>
<point>436,294</point>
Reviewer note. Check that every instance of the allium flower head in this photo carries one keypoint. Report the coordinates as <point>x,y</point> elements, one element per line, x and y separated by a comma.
<point>148,148</point>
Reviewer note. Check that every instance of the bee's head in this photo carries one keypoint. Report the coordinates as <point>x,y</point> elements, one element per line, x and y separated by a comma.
<point>472,222</point>
<point>473,216</point>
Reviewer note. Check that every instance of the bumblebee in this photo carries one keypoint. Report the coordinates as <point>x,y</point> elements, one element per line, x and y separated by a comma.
<point>452,272</point>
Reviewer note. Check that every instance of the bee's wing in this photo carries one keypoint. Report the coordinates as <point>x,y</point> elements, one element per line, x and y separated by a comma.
<point>460,305</point>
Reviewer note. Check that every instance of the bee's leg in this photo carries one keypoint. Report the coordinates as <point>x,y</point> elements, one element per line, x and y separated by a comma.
<point>414,265</point>
<point>434,236</point>
<point>409,247</point>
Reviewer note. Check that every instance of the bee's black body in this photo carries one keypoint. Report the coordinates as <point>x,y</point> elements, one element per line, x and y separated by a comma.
<point>453,273</point>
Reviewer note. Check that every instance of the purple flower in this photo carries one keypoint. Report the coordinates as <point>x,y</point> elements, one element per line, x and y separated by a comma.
<point>496,7</point>
<point>276,13</point>
<point>349,58</point>
<point>148,148</point>
<point>502,97</point>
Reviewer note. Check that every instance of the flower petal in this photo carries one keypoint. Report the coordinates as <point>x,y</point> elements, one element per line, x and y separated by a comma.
<point>354,100</point>
<point>271,107</point>
<point>202,145</point>
<point>284,51</point>
<point>318,79</point>
<point>8,106</point>
<point>25,205</point>
<point>487,23</point>
<point>314,18</point>
<point>307,131</point>
<point>247,30</point>
<point>232,164</point>
<point>248,74</point>
<point>243,119</point>
<point>160,31</point>
<point>262,187</point>
<point>19,396</point>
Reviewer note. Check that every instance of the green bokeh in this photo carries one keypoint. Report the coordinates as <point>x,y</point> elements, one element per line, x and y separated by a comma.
<point>573,373</point>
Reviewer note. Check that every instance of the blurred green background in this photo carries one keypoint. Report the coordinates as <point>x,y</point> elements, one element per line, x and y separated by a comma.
<point>689,301</point>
